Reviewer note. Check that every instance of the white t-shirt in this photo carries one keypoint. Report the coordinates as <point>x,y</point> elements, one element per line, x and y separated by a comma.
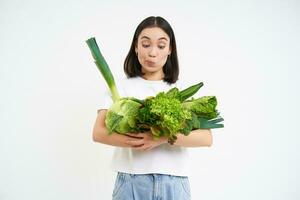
<point>164,159</point>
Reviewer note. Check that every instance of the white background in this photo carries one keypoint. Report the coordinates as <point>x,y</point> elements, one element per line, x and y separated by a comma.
<point>245,52</point>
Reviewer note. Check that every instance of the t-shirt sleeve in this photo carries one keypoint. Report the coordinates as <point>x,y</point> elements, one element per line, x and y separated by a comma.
<point>105,101</point>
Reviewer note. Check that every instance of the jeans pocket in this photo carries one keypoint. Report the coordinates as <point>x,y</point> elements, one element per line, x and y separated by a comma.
<point>118,183</point>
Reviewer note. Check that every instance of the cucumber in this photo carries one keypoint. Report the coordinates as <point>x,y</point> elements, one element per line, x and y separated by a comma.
<point>190,91</point>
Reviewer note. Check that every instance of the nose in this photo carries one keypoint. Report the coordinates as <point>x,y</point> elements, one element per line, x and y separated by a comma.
<point>153,52</point>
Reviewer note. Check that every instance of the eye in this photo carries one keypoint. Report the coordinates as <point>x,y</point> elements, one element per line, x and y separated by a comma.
<point>161,47</point>
<point>145,45</point>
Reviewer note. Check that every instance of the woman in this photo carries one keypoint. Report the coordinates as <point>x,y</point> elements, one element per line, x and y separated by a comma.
<point>148,168</point>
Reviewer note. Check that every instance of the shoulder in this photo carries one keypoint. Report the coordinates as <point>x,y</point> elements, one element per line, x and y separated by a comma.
<point>125,84</point>
<point>122,82</point>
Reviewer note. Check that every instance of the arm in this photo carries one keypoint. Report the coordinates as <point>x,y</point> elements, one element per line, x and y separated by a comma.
<point>100,133</point>
<point>197,138</point>
<point>139,141</point>
<point>143,141</point>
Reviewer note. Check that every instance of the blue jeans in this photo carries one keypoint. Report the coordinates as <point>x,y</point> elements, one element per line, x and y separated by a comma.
<point>151,187</point>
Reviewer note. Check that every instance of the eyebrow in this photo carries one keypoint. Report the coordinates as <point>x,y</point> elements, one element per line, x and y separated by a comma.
<point>162,38</point>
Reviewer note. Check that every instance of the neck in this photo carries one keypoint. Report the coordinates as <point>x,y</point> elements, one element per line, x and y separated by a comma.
<point>155,76</point>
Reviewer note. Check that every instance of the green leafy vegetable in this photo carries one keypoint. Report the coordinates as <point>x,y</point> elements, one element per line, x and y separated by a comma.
<point>204,106</point>
<point>164,113</point>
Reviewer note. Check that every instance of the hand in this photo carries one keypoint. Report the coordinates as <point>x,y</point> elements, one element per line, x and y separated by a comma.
<point>144,141</point>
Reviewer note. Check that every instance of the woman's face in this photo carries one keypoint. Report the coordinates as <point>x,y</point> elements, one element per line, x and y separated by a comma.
<point>153,48</point>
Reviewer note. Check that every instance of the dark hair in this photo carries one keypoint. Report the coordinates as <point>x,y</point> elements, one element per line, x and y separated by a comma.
<point>132,66</point>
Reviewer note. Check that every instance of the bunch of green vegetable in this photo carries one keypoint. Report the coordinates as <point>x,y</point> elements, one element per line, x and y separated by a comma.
<point>166,114</point>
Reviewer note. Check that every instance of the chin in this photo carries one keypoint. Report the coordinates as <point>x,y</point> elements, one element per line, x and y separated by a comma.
<point>152,69</point>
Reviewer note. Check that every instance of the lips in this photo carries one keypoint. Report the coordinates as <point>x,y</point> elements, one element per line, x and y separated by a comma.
<point>150,62</point>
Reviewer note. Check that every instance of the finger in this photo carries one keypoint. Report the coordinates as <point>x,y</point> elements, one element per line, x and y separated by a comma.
<point>135,142</point>
<point>135,135</point>
<point>145,147</point>
<point>149,148</point>
<point>140,148</point>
